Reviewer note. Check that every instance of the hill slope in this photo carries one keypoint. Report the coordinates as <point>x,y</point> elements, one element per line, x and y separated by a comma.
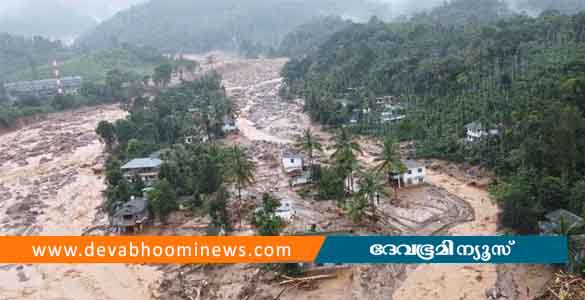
<point>222,24</point>
<point>523,76</point>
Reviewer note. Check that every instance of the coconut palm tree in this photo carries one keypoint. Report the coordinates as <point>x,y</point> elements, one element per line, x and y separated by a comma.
<point>309,143</point>
<point>371,188</point>
<point>389,162</point>
<point>345,148</point>
<point>571,231</point>
<point>241,169</point>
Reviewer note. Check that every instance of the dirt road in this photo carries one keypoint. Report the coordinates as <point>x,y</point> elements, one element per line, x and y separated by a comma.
<point>48,187</point>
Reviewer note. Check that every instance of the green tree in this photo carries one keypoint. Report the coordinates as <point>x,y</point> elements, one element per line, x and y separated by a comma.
<point>162,200</point>
<point>62,102</point>
<point>217,209</point>
<point>389,162</point>
<point>344,155</point>
<point>571,231</point>
<point>113,172</point>
<point>162,75</point>
<point>331,184</point>
<point>577,198</point>
<point>265,219</point>
<point>137,186</point>
<point>309,143</point>
<point>553,193</point>
<point>240,169</point>
<point>107,133</point>
<point>370,190</point>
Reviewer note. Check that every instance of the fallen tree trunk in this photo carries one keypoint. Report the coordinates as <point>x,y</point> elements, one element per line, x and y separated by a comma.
<point>310,278</point>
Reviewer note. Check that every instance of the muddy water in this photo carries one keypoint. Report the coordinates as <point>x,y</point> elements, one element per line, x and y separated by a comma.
<point>449,282</point>
<point>48,187</point>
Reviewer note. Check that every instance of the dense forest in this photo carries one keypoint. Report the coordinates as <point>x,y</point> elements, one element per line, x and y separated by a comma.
<point>18,53</point>
<point>522,75</point>
<point>193,176</point>
<point>32,58</point>
<point>186,25</point>
<point>307,37</point>
<point>564,6</point>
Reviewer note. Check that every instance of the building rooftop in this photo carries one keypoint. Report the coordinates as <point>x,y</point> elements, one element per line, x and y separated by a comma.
<point>288,154</point>
<point>412,164</point>
<point>25,86</point>
<point>140,163</point>
<point>569,217</point>
<point>132,207</point>
<point>474,126</point>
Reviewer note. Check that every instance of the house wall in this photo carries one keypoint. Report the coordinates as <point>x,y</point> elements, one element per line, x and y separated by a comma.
<point>292,164</point>
<point>413,176</point>
<point>148,175</point>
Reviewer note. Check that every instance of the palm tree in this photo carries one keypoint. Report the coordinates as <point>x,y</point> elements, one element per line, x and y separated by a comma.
<point>345,148</point>
<point>309,143</point>
<point>389,162</point>
<point>241,172</point>
<point>571,231</point>
<point>370,190</point>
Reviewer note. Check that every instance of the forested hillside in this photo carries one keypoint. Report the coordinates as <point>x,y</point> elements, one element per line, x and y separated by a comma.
<point>522,75</point>
<point>308,37</point>
<point>18,53</point>
<point>223,24</point>
<point>24,58</point>
<point>564,6</point>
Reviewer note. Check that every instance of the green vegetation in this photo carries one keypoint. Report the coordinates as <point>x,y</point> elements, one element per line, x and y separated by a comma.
<point>265,219</point>
<point>109,76</point>
<point>307,37</point>
<point>18,53</point>
<point>194,175</point>
<point>522,75</point>
<point>252,27</point>
<point>93,66</point>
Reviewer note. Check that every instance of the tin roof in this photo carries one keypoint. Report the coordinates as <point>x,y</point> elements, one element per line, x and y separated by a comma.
<point>139,163</point>
<point>412,164</point>
<point>132,207</point>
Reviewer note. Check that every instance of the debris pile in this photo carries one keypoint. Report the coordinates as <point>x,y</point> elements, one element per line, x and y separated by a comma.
<point>565,287</point>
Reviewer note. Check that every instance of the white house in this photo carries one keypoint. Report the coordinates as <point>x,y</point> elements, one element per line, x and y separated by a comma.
<point>414,175</point>
<point>229,125</point>
<point>474,131</point>
<point>292,162</point>
<point>196,139</point>
<point>286,210</point>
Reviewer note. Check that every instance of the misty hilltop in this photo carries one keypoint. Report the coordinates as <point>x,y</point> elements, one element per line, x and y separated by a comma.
<point>222,24</point>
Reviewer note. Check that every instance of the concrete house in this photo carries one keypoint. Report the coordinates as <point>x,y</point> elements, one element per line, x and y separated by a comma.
<point>131,216</point>
<point>292,163</point>
<point>43,88</point>
<point>229,125</point>
<point>392,113</point>
<point>414,175</point>
<point>475,131</point>
<point>386,100</point>
<point>553,221</point>
<point>145,168</point>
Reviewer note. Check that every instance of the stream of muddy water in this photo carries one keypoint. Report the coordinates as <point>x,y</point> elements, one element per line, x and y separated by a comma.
<point>48,187</point>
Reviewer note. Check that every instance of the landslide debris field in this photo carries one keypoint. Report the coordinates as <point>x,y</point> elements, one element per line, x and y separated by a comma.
<point>50,184</point>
